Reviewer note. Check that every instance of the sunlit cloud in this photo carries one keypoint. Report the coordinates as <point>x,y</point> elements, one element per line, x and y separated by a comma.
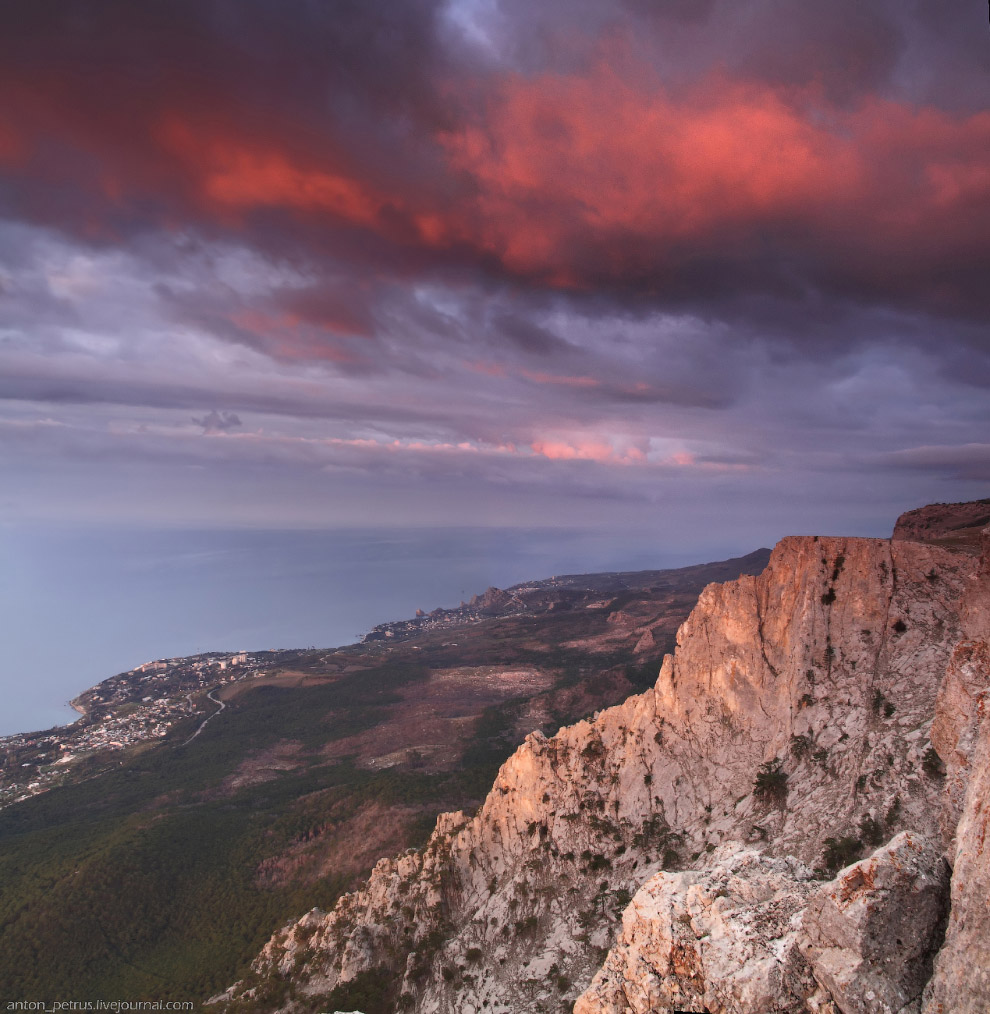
<point>553,256</point>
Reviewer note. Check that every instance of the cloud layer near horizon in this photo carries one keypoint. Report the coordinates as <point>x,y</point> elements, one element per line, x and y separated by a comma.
<point>301,263</point>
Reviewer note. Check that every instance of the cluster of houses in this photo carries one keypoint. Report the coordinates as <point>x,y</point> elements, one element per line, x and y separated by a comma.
<point>129,708</point>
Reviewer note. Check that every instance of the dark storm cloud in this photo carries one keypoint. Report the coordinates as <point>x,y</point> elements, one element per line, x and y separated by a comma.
<point>218,422</point>
<point>109,104</point>
<point>624,243</point>
<point>966,461</point>
<point>925,50</point>
<point>686,155</point>
<point>526,336</point>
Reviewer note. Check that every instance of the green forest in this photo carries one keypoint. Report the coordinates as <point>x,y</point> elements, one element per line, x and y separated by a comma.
<point>141,882</point>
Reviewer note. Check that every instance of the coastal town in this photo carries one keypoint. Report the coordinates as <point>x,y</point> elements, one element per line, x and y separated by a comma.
<point>145,704</point>
<point>138,706</point>
<point>533,597</point>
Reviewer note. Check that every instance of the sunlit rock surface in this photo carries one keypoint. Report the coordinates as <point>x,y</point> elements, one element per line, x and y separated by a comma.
<point>790,734</point>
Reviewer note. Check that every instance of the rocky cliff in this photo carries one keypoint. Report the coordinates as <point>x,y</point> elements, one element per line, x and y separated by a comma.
<point>769,828</point>
<point>957,525</point>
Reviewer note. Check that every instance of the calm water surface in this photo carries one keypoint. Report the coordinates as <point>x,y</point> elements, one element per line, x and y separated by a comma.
<point>79,606</point>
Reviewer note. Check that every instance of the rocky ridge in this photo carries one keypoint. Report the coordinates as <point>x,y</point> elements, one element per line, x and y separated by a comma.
<point>830,706</point>
<point>957,525</point>
<point>570,592</point>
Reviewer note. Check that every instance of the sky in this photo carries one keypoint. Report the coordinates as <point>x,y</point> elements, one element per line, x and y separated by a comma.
<point>621,264</point>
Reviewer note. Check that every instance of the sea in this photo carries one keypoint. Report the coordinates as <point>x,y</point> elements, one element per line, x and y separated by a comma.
<point>80,605</point>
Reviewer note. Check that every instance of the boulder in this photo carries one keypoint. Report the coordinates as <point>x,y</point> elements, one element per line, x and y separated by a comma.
<point>723,940</point>
<point>869,936</point>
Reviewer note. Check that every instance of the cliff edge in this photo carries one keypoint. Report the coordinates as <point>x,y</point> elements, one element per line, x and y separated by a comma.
<point>952,525</point>
<point>770,827</point>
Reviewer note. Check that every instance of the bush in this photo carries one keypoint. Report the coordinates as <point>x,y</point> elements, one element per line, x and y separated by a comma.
<point>771,781</point>
<point>800,745</point>
<point>893,812</point>
<point>594,751</point>
<point>303,957</point>
<point>368,991</point>
<point>654,833</point>
<point>671,859</point>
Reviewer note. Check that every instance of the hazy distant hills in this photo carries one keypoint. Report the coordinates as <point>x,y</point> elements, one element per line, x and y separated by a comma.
<point>160,869</point>
<point>574,591</point>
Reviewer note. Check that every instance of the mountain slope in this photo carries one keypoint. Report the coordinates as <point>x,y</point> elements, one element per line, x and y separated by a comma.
<point>157,871</point>
<point>793,720</point>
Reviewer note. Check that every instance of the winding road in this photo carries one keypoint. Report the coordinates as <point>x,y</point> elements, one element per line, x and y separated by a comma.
<point>209,718</point>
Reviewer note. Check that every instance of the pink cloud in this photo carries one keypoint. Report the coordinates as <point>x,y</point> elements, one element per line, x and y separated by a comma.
<point>600,451</point>
<point>616,164</point>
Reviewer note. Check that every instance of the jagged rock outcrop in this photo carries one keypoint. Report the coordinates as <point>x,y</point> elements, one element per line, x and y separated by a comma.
<point>753,934</point>
<point>961,984</point>
<point>795,717</point>
<point>870,935</point>
<point>492,598</point>
<point>719,939</point>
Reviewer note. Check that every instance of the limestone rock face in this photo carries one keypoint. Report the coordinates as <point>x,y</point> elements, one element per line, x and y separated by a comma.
<point>961,984</point>
<point>755,934</point>
<point>870,935</point>
<point>956,728</point>
<point>723,939</point>
<point>797,708</point>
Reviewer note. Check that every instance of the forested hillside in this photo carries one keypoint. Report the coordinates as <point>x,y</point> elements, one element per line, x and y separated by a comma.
<point>162,873</point>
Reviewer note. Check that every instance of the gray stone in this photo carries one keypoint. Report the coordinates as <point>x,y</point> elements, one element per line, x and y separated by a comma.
<point>870,935</point>
<point>961,984</point>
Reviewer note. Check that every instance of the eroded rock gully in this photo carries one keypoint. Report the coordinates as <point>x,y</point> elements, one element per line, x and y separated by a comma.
<point>690,849</point>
